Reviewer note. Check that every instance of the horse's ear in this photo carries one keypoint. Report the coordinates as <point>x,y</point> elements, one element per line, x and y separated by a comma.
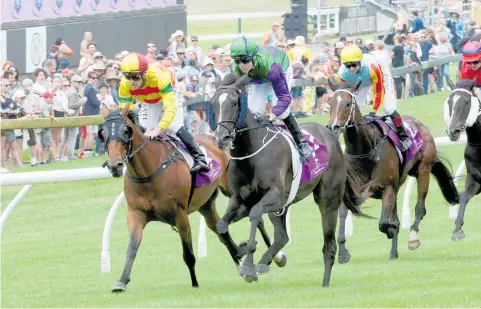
<point>356,86</point>
<point>333,86</point>
<point>243,81</point>
<point>217,81</point>
<point>125,110</point>
<point>450,83</point>
<point>474,83</point>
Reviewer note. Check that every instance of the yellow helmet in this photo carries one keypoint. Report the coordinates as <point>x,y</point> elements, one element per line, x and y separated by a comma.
<point>134,63</point>
<point>351,53</point>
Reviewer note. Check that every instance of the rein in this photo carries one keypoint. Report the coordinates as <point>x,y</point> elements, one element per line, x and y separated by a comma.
<point>236,123</point>
<point>131,153</point>
<point>346,126</point>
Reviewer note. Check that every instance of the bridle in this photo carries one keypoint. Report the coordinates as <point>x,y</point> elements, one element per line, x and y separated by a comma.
<point>377,145</point>
<point>232,133</point>
<point>351,112</point>
<point>118,124</point>
<point>117,135</point>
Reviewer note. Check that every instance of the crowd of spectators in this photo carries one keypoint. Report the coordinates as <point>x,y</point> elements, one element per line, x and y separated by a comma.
<point>59,90</point>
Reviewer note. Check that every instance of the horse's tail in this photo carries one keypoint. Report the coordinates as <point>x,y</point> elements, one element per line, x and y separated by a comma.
<point>353,197</point>
<point>445,180</point>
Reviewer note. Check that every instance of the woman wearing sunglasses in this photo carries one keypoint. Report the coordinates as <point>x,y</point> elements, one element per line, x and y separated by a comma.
<point>358,67</point>
<point>471,66</point>
<point>155,86</point>
<point>270,73</point>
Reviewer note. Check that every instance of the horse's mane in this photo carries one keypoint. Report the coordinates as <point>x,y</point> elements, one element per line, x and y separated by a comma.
<point>133,116</point>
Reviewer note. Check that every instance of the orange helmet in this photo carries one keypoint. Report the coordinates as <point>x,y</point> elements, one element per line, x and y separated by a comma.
<point>134,63</point>
<point>472,51</point>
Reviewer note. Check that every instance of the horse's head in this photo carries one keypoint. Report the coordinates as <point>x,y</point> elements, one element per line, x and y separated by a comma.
<point>461,108</point>
<point>228,109</point>
<point>117,133</point>
<point>343,108</point>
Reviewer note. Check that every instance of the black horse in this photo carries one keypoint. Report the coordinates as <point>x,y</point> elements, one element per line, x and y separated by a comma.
<point>461,113</point>
<point>260,176</point>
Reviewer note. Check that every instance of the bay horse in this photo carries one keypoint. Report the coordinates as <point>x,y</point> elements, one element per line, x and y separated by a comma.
<point>159,187</point>
<point>461,113</point>
<point>370,151</point>
<point>261,175</point>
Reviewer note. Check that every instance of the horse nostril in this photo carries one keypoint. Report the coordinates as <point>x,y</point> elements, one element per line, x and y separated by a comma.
<point>457,131</point>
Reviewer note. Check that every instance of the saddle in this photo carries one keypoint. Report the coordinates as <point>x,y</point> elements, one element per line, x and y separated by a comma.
<point>389,131</point>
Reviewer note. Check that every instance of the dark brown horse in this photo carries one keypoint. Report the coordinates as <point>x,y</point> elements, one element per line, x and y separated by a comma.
<point>261,176</point>
<point>159,187</point>
<point>461,113</point>
<point>374,158</point>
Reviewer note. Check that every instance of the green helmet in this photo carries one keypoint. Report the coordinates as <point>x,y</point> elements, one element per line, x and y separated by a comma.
<point>242,47</point>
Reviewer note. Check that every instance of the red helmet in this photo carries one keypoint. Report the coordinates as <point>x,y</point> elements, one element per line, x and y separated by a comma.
<point>472,51</point>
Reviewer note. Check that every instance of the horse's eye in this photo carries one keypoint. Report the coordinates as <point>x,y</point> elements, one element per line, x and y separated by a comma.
<point>348,105</point>
<point>125,131</point>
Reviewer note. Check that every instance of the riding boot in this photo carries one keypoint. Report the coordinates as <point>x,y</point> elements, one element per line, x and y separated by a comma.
<point>405,140</point>
<point>200,163</point>
<point>401,131</point>
<point>304,150</point>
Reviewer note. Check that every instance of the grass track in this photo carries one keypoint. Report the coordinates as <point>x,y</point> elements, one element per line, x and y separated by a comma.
<point>51,253</point>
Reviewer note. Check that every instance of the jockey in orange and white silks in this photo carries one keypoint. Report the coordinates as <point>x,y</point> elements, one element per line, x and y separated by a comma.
<point>358,67</point>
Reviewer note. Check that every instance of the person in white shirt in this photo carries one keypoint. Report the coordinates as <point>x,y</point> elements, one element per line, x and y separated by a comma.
<point>60,107</point>
<point>106,100</point>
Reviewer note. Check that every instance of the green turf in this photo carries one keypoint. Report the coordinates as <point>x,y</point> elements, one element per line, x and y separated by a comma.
<point>51,252</point>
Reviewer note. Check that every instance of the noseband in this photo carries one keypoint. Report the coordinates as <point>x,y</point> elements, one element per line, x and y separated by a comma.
<point>116,134</point>
<point>351,112</point>
<point>235,123</point>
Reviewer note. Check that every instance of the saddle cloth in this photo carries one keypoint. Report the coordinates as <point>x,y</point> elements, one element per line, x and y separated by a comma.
<point>315,165</point>
<point>388,128</point>
<point>202,178</point>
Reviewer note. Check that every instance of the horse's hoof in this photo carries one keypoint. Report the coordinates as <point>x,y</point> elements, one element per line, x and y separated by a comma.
<point>251,279</point>
<point>119,287</point>
<point>262,269</point>
<point>458,235</point>
<point>247,271</point>
<point>344,258</point>
<point>244,243</point>
<point>393,256</point>
<point>414,244</point>
<point>282,261</point>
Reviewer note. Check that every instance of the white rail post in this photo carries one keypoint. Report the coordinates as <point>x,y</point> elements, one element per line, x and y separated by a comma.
<point>349,225</point>
<point>406,210</point>
<point>453,209</point>
<point>202,239</point>
<point>20,195</point>
<point>105,254</point>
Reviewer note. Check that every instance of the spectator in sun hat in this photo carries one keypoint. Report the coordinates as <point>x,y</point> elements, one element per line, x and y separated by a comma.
<point>338,47</point>
<point>370,45</point>
<point>113,81</point>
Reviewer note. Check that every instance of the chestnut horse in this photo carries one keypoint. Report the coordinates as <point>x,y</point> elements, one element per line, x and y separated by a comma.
<point>374,158</point>
<point>159,187</point>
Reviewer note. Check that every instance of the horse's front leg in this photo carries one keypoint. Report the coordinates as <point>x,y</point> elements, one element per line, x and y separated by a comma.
<point>389,222</point>
<point>235,212</point>
<point>271,201</point>
<point>136,221</point>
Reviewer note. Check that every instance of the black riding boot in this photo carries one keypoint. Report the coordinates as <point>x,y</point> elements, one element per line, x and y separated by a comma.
<point>304,150</point>
<point>405,140</point>
<point>401,131</point>
<point>200,163</point>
